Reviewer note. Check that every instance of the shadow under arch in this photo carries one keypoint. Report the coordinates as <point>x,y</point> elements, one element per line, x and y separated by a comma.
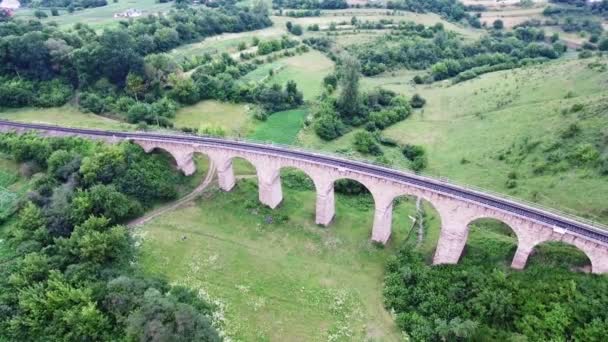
<point>163,154</point>
<point>559,254</point>
<point>354,208</point>
<point>490,239</point>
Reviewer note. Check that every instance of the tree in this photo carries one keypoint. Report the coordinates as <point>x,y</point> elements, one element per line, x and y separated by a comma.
<point>54,12</point>
<point>58,311</point>
<point>40,14</point>
<point>348,101</point>
<point>297,30</point>
<point>163,319</point>
<point>365,143</point>
<point>603,45</point>
<point>135,85</point>
<point>498,24</point>
<point>260,8</point>
<point>417,101</point>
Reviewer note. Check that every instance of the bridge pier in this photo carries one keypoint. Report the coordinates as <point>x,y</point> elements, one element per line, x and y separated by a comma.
<point>521,255</point>
<point>269,184</point>
<point>383,219</point>
<point>454,231</point>
<point>225,172</point>
<point>325,205</point>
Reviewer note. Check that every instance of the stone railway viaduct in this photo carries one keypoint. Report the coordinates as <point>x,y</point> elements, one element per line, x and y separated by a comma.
<point>457,206</point>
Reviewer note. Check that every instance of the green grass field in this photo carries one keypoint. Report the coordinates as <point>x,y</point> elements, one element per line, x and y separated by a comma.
<point>67,116</point>
<point>281,127</point>
<point>233,118</point>
<point>227,42</point>
<point>99,17</point>
<point>308,70</point>
<point>280,279</point>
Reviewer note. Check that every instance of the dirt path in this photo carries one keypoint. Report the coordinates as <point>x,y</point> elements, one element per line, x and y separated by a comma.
<point>174,205</point>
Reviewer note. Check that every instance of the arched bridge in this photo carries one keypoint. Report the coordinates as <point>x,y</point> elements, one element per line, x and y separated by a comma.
<point>457,206</point>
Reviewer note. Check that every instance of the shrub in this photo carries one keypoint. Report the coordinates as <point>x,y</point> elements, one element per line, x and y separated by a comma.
<point>53,94</point>
<point>329,127</point>
<point>365,143</point>
<point>417,101</point>
<point>92,102</point>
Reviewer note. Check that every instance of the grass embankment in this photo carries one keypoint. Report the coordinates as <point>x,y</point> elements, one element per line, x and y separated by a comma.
<point>277,273</point>
<point>67,115</point>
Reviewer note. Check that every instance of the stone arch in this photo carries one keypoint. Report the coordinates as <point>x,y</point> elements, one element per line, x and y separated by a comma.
<point>356,186</point>
<point>588,249</point>
<point>181,156</point>
<point>299,179</point>
<point>500,226</point>
<point>243,167</point>
<point>422,217</point>
<point>287,168</point>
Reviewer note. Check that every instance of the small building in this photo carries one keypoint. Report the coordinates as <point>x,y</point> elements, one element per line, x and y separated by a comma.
<point>130,13</point>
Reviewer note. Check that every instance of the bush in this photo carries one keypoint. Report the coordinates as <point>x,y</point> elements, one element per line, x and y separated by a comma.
<point>91,102</point>
<point>329,127</point>
<point>417,101</point>
<point>416,155</point>
<point>53,93</point>
<point>365,143</point>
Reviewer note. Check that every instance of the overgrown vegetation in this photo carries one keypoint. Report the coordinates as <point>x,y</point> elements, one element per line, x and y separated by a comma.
<point>417,47</point>
<point>72,276</point>
<point>480,298</point>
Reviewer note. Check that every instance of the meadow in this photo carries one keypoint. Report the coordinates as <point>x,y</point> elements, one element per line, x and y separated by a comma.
<point>465,127</point>
<point>234,119</point>
<point>281,127</point>
<point>275,272</point>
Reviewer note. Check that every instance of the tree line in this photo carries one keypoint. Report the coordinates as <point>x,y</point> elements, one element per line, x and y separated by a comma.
<point>414,46</point>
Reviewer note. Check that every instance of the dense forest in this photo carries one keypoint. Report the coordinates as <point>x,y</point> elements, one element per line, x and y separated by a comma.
<point>72,275</point>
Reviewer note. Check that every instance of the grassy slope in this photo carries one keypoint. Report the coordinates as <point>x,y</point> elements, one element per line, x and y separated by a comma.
<point>308,70</point>
<point>232,117</point>
<point>281,127</point>
<point>66,115</point>
<point>478,119</point>
<point>292,279</point>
